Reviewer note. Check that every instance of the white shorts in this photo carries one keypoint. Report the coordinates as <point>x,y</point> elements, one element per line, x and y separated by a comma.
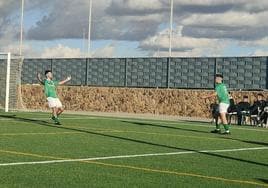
<point>223,107</point>
<point>54,102</point>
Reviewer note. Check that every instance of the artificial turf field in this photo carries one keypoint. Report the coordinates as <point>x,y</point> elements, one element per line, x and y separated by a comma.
<point>88,151</point>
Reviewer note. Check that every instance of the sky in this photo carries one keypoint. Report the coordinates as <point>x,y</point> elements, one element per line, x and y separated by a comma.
<point>135,28</point>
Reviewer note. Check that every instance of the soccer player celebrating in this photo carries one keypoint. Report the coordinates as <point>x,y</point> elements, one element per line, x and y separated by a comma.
<point>50,91</point>
<point>224,102</point>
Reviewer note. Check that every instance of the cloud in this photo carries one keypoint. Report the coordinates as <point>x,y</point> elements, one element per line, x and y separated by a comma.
<point>258,43</point>
<point>236,33</point>
<point>260,53</point>
<point>128,28</point>
<point>203,24</point>
<point>121,19</point>
<point>69,23</point>
<point>8,29</point>
<point>10,22</point>
<point>219,6</point>
<point>233,25</point>
<point>190,53</point>
<point>11,9</point>
<point>228,19</point>
<point>137,7</point>
<point>182,45</point>
<point>104,26</point>
<point>106,51</point>
<point>8,7</point>
<point>136,20</point>
<point>8,33</point>
<point>28,50</point>
<point>252,6</point>
<point>61,51</point>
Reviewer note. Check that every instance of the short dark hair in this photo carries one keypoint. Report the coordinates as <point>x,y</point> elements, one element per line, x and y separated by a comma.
<point>218,75</point>
<point>245,97</point>
<point>260,94</point>
<point>47,71</point>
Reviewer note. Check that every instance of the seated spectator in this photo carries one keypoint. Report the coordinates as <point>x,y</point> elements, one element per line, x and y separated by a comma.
<point>264,115</point>
<point>232,107</point>
<point>243,108</point>
<point>258,105</point>
<point>232,111</point>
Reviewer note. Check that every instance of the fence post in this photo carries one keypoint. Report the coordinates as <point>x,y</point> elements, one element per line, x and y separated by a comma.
<point>266,72</point>
<point>168,71</point>
<point>86,79</point>
<point>51,65</point>
<point>125,84</point>
<point>215,70</point>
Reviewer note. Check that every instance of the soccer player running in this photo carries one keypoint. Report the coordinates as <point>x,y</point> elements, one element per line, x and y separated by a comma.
<point>224,102</point>
<point>50,91</point>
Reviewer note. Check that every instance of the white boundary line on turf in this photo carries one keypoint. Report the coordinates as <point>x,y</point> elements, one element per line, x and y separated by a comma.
<point>131,156</point>
<point>47,118</point>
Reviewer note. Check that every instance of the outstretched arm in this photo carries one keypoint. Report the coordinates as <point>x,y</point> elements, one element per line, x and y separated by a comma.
<point>209,96</point>
<point>40,79</point>
<point>66,80</point>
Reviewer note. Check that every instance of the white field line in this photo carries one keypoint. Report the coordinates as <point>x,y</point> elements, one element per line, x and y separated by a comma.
<point>47,118</point>
<point>131,156</point>
<point>25,134</point>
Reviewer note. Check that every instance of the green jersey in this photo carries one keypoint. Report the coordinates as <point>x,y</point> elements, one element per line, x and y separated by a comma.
<point>50,88</point>
<point>222,93</point>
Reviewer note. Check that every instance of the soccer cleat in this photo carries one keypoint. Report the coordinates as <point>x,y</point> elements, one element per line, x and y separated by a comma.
<point>216,131</point>
<point>226,132</point>
<point>57,123</point>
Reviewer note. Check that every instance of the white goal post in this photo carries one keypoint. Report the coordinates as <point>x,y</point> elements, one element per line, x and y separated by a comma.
<point>10,71</point>
<point>7,81</point>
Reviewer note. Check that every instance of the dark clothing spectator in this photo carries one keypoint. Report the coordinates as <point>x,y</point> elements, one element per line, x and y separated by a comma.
<point>232,107</point>
<point>243,108</point>
<point>264,114</point>
<point>257,107</point>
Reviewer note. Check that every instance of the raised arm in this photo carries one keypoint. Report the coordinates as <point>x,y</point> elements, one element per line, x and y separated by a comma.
<point>209,96</point>
<point>40,79</point>
<point>66,80</point>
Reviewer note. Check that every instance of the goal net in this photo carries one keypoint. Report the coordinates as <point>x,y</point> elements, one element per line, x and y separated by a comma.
<point>10,81</point>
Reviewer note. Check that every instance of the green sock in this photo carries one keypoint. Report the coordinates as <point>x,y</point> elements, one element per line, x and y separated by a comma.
<point>218,127</point>
<point>226,127</point>
<point>56,119</point>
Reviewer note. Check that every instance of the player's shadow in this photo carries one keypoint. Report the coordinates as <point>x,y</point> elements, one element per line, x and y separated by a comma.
<point>263,180</point>
<point>193,130</point>
<point>47,124</point>
<point>163,126</point>
<point>27,120</point>
<point>246,141</point>
<point>158,145</point>
<point>193,121</point>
